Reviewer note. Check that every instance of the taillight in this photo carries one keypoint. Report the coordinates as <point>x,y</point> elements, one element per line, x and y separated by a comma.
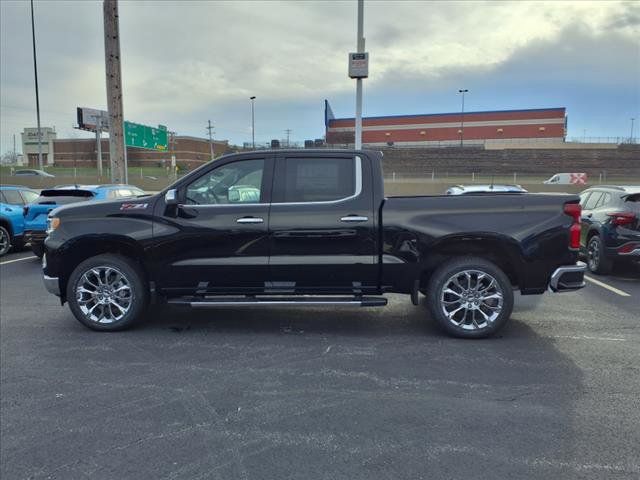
<point>622,218</point>
<point>574,210</point>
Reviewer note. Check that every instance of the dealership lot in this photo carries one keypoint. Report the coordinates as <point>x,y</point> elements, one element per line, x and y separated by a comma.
<point>321,393</point>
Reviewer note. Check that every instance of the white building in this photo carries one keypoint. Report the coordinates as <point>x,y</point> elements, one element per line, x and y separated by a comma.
<point>30,145</point>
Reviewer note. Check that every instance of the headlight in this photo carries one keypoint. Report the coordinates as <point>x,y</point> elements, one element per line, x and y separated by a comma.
<point>52,224</point>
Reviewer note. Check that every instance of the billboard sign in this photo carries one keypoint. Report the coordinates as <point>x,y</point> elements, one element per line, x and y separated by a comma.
<point>89,118</point>
<point>143,136</point>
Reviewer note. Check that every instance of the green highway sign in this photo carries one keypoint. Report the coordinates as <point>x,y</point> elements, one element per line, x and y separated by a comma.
<point>143,136</point>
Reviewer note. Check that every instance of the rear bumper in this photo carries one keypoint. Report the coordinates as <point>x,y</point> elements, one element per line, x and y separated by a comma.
<point>568,278</point>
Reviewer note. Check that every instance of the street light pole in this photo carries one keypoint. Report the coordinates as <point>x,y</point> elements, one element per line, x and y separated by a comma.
<point>360,49</point>
<point>35,72</point>
<point>462,91</point>
<point>631,135</point>
<point>253,124</point>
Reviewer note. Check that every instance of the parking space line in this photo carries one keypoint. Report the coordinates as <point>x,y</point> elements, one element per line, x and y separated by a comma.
<point>17,260</point>
<point>584,337</point>
<point>608,287</point>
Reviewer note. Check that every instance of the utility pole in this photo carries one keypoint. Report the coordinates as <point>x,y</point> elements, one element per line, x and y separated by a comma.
<point>360,49</point>
<point>210,128</point>
<point>15,157</point>
<point>462,91</point>
<point>630,136</point>
<point>253,122</point>
<point>288,132</point>
<point>35,72</point>
<point>117,149</point>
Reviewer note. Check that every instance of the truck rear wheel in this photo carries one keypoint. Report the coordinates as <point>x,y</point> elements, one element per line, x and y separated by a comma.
<point>470,297</point>
<point>107,293</point>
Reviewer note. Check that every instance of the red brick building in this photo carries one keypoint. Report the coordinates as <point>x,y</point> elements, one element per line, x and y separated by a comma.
<point>189,151</point>
<point>545,125</point>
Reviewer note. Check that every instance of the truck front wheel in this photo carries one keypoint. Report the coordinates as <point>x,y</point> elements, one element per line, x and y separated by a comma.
<point>470,297</point>
<point>107,293</point>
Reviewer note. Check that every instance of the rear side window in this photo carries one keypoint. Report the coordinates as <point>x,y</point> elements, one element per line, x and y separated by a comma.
<point>632,202</point>
<point>13,197</point>
<point>315,179</point>
<point>605,199</point>
<point>592,201</point>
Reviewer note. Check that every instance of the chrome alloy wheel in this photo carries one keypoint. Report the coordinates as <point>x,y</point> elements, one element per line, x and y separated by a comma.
<point>104,294</point>
<point>471,299</point>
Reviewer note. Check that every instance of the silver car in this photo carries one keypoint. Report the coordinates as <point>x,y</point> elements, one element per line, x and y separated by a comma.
<point>479,189</point>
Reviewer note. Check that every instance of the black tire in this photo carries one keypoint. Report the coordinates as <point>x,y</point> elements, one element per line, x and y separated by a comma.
<point>38,250</point>
<point>597,260</point>
<point>486,313</point>
<point>5,240</point>
<point>138,293</point>
<point>17,244</point>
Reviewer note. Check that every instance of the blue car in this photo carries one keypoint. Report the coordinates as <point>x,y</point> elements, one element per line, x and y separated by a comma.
<point>36,213</point>
<point>12,200</point>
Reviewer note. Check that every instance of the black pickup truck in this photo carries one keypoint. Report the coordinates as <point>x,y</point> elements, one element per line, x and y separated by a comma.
<point>310,227</point>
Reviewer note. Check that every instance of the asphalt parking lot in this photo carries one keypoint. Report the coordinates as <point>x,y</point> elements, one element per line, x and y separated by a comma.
<point>320,393</point>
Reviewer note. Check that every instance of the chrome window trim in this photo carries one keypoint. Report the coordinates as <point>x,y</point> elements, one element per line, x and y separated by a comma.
<point>358,191</point>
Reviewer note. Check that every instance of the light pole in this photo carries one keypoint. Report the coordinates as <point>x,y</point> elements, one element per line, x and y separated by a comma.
<point>35,72</point>
<point>360,49</point>
<point>462,91</point>
<point>253,124</point>
<point>631,135</point>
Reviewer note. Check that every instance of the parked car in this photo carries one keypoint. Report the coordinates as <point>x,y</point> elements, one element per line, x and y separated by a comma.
<point>32,173</point>
<point>35,214</point>
<point>579,178</point>
<point>480,189</point>
<point>320,232</point>
<point>610,226</point>
<point>12,200</point>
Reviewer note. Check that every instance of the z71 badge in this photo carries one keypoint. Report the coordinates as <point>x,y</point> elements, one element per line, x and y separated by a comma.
<point>133,206</point>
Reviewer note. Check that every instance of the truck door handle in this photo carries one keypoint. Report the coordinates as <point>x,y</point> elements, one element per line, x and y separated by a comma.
<point>249,220</point>
<point>354,218</point>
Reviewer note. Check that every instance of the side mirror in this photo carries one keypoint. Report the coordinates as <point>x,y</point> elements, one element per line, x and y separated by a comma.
<point>171,197</point>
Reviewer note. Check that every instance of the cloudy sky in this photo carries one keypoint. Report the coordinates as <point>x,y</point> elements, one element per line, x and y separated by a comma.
<point>186,62</point>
